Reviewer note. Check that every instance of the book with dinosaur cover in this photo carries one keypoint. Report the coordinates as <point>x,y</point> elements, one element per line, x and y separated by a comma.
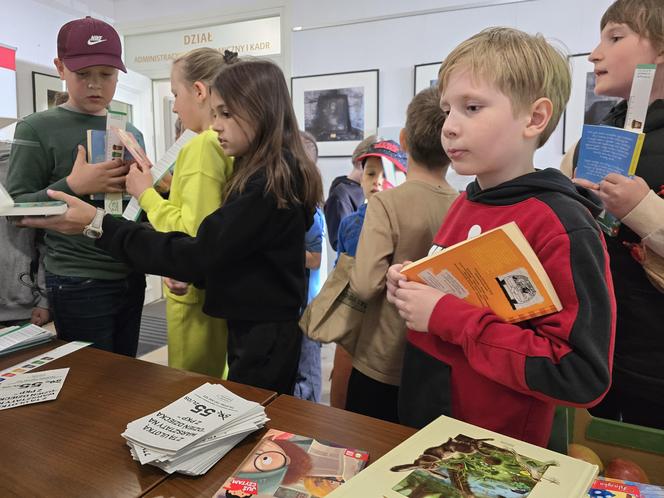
<point>498,269</point>
<point>287,465</point>
<point>452,459</point>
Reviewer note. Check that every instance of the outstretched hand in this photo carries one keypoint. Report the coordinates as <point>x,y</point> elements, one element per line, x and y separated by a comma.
<point>86,178</point>
<point>73,221</point>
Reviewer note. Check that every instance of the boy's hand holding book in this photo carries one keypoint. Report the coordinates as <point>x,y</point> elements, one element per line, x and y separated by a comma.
<point>414,301</point>
<point>85,178</point>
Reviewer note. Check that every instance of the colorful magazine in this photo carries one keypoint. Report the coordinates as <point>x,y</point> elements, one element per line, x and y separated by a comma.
<point>605,487</point>
<point>286,465</point>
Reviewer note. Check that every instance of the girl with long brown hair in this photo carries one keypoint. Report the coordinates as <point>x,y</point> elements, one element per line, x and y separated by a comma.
<point>249,254</point>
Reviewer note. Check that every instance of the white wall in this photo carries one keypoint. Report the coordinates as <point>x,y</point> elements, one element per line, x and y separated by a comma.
<point>394,46</point>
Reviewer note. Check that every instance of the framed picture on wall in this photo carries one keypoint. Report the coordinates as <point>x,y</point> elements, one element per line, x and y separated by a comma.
<point>584,107</point>
<point>45,88</point>
<point>425,76</point>
<point>338,109</point>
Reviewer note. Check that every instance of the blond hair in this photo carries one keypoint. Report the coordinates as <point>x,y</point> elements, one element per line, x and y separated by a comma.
<point>201,64</point>
<point>362,148</point>
<point>523,67</point>
<point>644,17</point>
<point>424,124</point>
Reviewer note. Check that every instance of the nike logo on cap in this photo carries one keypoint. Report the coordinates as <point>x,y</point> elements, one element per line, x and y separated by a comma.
<point>94,39</point>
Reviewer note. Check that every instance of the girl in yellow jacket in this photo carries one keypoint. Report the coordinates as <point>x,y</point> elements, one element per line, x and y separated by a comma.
<point>196,342</point>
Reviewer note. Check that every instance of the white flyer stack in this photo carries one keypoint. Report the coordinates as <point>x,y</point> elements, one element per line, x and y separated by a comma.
<point>194,432</point>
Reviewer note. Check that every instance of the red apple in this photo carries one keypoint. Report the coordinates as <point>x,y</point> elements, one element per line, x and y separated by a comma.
<point>622,468</point>
<point>584,453</point>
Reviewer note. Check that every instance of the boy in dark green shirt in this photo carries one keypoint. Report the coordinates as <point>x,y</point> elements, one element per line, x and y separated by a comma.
<point>94,297</point>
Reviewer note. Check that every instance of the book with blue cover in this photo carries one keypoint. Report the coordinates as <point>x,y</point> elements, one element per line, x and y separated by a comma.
<point>96,153</point>
<point>604,150</point>
<point>607,149</point>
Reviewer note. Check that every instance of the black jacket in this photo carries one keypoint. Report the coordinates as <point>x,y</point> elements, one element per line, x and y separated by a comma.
<point>345,197</point>
<point>248,255</point>
<point>639,353</point>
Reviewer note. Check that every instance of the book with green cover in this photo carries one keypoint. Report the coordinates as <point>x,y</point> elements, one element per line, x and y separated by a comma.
<point>10,208</point>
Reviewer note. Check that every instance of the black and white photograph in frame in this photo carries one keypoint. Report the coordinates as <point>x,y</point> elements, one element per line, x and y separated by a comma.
<point>45,87</point>
<point>425,76</point>
<point>338,109</point>
<point>584,107</point>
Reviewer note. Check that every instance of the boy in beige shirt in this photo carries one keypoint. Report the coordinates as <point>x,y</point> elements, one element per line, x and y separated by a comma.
<point>400,224</point>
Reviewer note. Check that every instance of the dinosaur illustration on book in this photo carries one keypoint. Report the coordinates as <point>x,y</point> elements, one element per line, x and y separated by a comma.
<point>465,467</point>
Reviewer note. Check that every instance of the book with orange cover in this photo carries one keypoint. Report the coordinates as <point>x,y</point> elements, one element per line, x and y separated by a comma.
<point>497,269</point>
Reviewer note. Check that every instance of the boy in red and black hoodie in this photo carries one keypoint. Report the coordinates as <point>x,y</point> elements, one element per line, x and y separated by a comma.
<point>503,92</point>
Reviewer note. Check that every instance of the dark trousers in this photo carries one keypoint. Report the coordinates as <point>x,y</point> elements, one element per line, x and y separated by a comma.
<point>370,397</point>
<point>627,402</point>
<point>264,354</point>
<point>104,312</point>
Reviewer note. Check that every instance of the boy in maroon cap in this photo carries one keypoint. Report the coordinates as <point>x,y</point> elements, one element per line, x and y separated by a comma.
<point>94,297</point>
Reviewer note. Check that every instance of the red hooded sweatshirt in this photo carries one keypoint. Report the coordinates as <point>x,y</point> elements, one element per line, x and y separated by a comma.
<point>505,377</point>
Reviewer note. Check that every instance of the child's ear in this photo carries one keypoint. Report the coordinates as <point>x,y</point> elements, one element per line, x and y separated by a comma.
<point>201,90</point>
<point>540,114</point>
<point>59,65</point>
<point>403,141</point>
<point>660,58</point>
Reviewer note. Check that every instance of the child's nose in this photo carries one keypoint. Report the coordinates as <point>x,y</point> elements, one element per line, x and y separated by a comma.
<point>450,128</point>
<point>595,55</point>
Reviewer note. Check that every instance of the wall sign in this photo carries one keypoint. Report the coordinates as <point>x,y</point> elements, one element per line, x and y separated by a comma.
<point>153,53</point>
<point>7,85</point>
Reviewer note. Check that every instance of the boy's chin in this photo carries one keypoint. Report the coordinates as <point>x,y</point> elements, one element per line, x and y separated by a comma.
<point>94,107</point>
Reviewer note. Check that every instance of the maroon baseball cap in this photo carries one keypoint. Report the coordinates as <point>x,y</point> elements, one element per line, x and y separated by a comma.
<point>89,42</point>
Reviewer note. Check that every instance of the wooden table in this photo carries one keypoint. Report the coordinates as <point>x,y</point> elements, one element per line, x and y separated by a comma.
<point>300,417</point>
<point>72,446</point>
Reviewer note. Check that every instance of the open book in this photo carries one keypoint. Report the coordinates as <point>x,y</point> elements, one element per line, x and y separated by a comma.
<point>449,458</point>
<point>10,208</point>
<point>284,464</point>
<point>497,269</point>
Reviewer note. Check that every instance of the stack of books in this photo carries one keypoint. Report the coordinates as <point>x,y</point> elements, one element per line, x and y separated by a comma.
<point>21,337</point>
<point>194,432</point>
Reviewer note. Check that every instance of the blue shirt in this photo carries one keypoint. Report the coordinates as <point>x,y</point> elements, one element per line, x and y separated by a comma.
<point>313,242</point>
<point>349,231</point>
